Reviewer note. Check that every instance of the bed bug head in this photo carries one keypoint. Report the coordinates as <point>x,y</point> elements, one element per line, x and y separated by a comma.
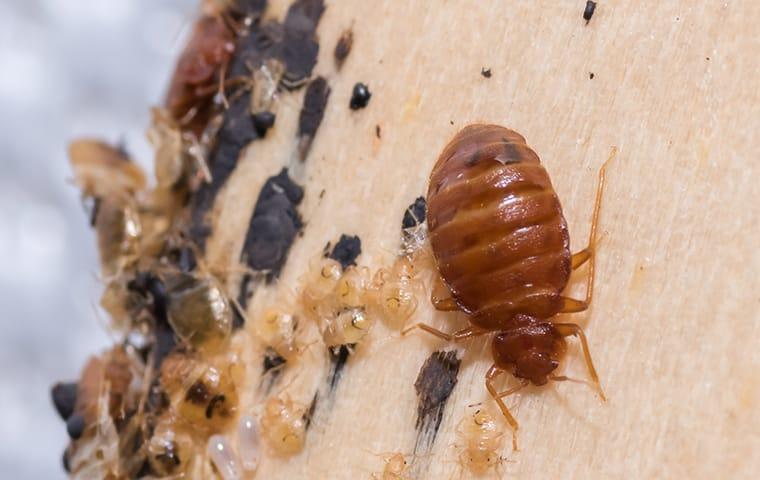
<point>531,350</point>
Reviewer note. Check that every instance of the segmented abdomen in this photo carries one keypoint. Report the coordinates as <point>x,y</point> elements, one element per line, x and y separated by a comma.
<point>496,227</point>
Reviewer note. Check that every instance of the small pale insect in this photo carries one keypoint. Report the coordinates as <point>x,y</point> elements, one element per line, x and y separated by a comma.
<point>395,467</point>
<point>502,248</point>
<point>277,329</point>
<point>395,290</point>
<point>202,393</point>
<point>283,425</point>
<point>482,440</point>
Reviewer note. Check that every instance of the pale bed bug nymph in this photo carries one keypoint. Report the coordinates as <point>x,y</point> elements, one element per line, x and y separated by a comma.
<point>502,248</point>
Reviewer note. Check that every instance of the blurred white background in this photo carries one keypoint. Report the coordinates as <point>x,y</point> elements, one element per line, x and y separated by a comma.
<point>67,68</point>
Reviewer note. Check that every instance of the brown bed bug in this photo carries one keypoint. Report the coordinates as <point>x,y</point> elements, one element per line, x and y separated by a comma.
<point>502,248</point>
<point>199,74</point>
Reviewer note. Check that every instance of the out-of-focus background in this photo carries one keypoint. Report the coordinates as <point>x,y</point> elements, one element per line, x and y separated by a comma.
<point>68,68</point>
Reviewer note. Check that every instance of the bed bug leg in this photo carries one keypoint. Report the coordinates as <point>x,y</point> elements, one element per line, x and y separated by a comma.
<point>491,375</point>
<point>589,253</point>
<point>569,329</point>
<point>463,334</point>
<point>441,297</point>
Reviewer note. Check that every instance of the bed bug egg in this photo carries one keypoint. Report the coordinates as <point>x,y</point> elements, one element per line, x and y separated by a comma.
<point>249,443</point>
<point>482,442</point>
<point>283,425</point>
<point>224,457</point>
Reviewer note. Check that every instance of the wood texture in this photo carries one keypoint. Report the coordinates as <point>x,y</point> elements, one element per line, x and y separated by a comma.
<point>674,325</point>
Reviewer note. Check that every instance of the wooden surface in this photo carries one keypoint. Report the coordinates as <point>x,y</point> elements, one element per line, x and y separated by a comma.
<point>674,326</point>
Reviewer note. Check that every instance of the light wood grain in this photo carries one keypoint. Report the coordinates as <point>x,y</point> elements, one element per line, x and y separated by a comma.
<point>674,326</point>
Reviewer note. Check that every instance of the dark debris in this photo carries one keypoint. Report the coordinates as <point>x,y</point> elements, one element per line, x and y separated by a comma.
<point>588,12</point>
<point>360,96</point>
<point>434,384</point>
<point>274,225</point>
<point>346,250</point>
<point>414,214</point>
<point>486,72</point>
<point>343,47</point>
<point>64,398</point>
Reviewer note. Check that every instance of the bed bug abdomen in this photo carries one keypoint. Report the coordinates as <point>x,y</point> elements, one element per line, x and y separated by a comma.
<point>496,227</point>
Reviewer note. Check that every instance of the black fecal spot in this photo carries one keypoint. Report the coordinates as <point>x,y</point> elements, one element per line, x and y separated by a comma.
<point>434,385</point>
<point>312,112</point>
<point>64,397</point>
<point>150,286</point>
<point>75,426</point>
<point>346,250</point>
<point>272,360</point>
<point>216,402</point>
<point>272,368</point>
<point>360,96</point>
<point>146,470</point>
<point>309,415</point>
<point>93,205</point>
<point>236,132</point>
<point>274,225</point>
<point>66,460</point>
<point>338,358</point>
<point>343,47</point>
<point>299,45</point>
<point>414,214</point>
<point>591,75</point>
<point>252,8</point>
<point>198,393</point>
<point>486,72</point>
<point>378,132</point>
<point>588,12</point>
<point>183,258</point>
<point>243,296</point>
<point>262,122</point>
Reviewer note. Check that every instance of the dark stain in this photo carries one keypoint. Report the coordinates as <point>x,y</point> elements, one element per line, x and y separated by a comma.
<point>588,12</point>
<point>343,47</point>
<point>591,75</point>
<point>64,398</point>
<point>434,385</point>
<point>414,214</point>
<point>346,250</point>
<point>308,416</point>
<point>312,112</point>
<point>486,72</point>
<point>273,226</point>
<point>378,132</point>
<point>338,359</point>
<point>360,96</point>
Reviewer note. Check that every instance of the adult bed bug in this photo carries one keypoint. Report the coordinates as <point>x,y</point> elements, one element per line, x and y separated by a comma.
<point>501,245</point>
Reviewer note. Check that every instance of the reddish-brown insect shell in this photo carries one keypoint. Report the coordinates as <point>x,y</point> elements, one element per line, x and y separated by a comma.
<point>195,79</point>
<point>496,228</point>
